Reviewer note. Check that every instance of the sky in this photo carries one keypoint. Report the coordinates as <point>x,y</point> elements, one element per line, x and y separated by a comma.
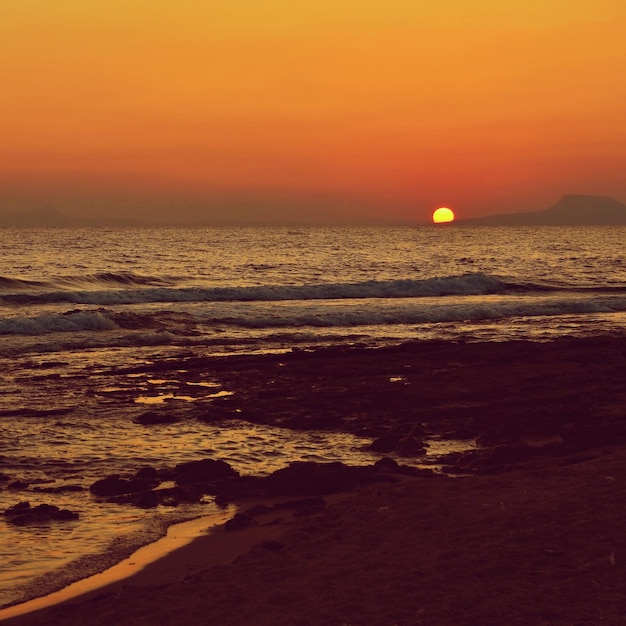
<point>333,110</point>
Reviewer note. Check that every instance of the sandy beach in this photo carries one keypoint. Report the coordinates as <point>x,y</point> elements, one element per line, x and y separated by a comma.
<point>528,529</point>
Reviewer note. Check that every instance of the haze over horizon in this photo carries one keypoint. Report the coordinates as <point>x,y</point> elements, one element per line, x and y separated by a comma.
<point>331,111</point>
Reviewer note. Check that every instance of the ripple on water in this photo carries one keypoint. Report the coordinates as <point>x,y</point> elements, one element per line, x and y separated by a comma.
<point>65,453</point>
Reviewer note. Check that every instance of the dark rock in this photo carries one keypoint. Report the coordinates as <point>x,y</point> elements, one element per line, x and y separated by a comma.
<point>144,499</point>
<point>236,487</point>
<point>222,500</point>
<point>20,507</point>
<point>65,514</point>
<point>114,486</point>
<point>17,485</point>
<point>22,514</point>
<point>386,464</point>
<point>411,447</point>
<point>386,443</point>
<point>4,478</point>
<point>148,473</point>
<point>203,471</point>
<point>181,493</point>
<point>272,545</point>
<point>23,520</point>
<point>306,478</point>
<point>405,444</point>
<point>149,499</point>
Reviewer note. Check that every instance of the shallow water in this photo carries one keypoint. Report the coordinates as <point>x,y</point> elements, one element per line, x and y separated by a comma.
<point>70,422</point>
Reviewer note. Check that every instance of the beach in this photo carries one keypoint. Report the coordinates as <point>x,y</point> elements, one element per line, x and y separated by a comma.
<point>525,529</point>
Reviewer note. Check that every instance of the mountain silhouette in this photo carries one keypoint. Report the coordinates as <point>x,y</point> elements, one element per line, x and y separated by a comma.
<point>570,210</point>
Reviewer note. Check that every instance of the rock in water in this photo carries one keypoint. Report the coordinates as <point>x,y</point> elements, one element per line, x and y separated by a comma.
<point>113,485</point>
<point>202,471</point>
<point>22,514</point>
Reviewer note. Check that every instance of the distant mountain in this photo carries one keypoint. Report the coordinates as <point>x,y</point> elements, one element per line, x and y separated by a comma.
<point>570,210</point>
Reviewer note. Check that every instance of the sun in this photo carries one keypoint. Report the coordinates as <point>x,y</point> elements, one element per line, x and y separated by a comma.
<point>443,214</point>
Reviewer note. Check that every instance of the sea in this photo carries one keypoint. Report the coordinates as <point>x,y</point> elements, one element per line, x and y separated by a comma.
<point>80,308</point>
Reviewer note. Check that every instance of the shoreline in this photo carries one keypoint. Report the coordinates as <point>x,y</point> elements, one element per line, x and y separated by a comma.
<point>548,481</point>
<point>521,547</point>
<point>178,535</point>
<point>187,548</point>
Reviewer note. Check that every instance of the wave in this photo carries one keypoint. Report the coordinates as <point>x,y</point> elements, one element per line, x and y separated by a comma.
<point>8,283</point>
<point>195,321</point>
<point>415,314</point>
<point>69,283</point>
<point>124,278</point>
<point>70,322</point>
<point>463,285</point>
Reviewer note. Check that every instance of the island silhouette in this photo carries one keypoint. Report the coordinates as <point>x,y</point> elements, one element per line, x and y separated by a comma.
<point>570,210</point>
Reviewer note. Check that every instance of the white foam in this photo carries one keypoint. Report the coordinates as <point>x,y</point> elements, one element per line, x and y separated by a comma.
<point>57,323</point>
<point>466,284</point>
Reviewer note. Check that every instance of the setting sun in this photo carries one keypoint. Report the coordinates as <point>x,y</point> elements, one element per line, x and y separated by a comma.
<point>443,214</point>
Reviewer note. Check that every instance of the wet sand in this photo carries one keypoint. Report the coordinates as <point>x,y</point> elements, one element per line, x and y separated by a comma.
<point>528,538</point>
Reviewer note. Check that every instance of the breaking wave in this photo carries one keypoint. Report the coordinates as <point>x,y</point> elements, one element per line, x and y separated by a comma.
<point>411,313</point>
<point>72,321</point>
<point>466,284</point>
<point>201,319</point>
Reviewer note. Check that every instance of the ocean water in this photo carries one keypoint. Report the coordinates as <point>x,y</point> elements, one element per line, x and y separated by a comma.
<point>79,305</point>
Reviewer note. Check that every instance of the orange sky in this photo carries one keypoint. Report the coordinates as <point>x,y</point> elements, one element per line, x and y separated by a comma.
<point>259,109</point>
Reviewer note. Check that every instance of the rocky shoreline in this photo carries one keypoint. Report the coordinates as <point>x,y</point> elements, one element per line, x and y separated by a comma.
<point>536,408</point>
<point>520,404</point>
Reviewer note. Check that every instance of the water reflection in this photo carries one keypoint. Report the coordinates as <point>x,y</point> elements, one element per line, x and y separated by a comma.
<point>164,397</point>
